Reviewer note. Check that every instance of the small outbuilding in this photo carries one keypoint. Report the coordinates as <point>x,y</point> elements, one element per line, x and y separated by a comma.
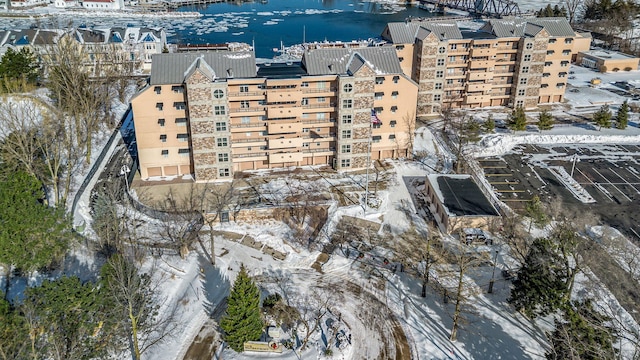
<point>457,203</point>
<point>607,61</point>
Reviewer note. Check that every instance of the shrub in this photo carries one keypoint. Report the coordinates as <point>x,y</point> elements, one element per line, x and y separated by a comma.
<point>271,300</point>
<point>628,68</point>
<point>615,70</point>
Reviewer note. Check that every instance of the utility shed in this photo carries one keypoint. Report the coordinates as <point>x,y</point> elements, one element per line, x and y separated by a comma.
<point>457,202</point>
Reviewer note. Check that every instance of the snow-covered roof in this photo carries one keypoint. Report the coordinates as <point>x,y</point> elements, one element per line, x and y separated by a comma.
<point>171,68</point>
<point>382,60</point>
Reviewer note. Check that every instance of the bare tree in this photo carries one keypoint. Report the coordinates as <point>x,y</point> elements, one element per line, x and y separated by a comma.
<point>312,309</point>
<point>136,304</point>
<point>409,121</point>
<point>573,8</point>
<point>183,220</point>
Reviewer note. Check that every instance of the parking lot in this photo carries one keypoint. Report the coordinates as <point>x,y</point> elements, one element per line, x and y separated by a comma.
<point>602,179</point>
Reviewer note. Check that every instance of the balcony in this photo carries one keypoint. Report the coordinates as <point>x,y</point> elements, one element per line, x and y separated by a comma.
<point>479,76</point>
<point>246,94</point>
<point>471,87</point>
<point>284,112</point>
<point>286,143</point>
<point>476,52</point>
<point>281,95</point>
<point>286,157</point>
<point>324,105</point>
<point>250,125</point>
<point>320,150</point>
<point>261,140</point>
<point>258,156</point>
<point>246,110</point>
<point>284,127</point>
<point>316,90</point>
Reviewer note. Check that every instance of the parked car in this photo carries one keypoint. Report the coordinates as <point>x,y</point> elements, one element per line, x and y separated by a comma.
<point>473,235</point>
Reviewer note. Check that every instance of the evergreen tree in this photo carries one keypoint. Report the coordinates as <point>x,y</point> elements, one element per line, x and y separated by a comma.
<point>622,116</point>
<point>545,120</point>
<point>602,117</point>
<point>489,125</point>
<point>535,211</point>
<point>242,321</point>
<point>19,65</point>
<point>517,120</point>
<point>583,334</point>
<point>541,284</point>
<point>14,334</point>
<point>71,318</point>
<point>32,235</point>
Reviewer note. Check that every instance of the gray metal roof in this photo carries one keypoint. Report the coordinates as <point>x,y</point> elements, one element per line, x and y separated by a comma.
<point>381,59</point>
<point>556,26</point>
<point>406,32</point>
<point>172,68</point>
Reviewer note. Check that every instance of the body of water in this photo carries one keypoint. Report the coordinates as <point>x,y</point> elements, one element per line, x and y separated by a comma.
<point>268,24</point>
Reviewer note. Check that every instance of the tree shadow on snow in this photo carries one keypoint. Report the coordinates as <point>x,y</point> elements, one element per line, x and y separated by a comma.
<point>215,288</point>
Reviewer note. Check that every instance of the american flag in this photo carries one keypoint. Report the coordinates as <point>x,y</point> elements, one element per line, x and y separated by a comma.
<point>374,118</point>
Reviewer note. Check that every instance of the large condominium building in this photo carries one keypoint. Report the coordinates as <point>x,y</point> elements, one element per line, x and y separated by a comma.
<point>510,62</point>
<point>211,114</point>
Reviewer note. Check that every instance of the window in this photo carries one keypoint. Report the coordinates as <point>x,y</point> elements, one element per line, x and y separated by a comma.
<point>321,116</point>
<point>564,63</point>
<point>345,149</point>
<point>396,79</point>
<point>157,89</point>
<point>452,58</point>
<point>218,94</point>
<point>548,63</point>
<point>525,69</point>
<point>440,62</point>
<point>379,80</point>
<point>376,139</point>
<point>305,144</point>
<point>244,88</point>
<point>394,94</point>
<point>322,99</point>
<point>347,104</point>
<point>179,105</point>
<point>438,86</point>
<point>223,157</point>
<point>304,101</point>
<point>568,40</point>
<point>441,50</point>
<point>546,75</point>
<point>521,92</point>
<point>159,106</point>
<point>165,153</point>
<point>551,52</point>
<point>376,125</point>
<point>183,152</point>
<point>453,46</point>
<point>161,122</point>
<point>519,103</point>
<point>345,163</point>
<point>399,47</point>
<point>245,120</point>
<point>544,86</point>
<point>437,97</point>
<point>224,172</point>
<point>219,110</point>
<point>401,59</point>
<point>449,81</point>
<point>527,57</point>
<point>181,121</point>
<point>346,134</point>
<point>529,46</point>
<point>394,109</point>
<point>221,126</point>
<point>392,123</point>
<point>347,88</point>
<point>222,142</point>
<point>177,89</point>
<point>378,95</point>
<point>305,130</point>
<point>566,52</point>
<point>163,138</point>
<point>560,85</point>
<point>523,81</point>
<point>320,85</point>
<point>439,74</point>
<point>552,41</point>
<point>346,119</point>
<point>392,137</point>
<point>562,74</point>
<point>304,84</point>
<point>244,104</point>
<point>182,137</point>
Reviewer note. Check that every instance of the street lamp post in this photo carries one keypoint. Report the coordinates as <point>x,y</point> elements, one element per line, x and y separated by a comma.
<point>493,273</point>
<point>124,171</point>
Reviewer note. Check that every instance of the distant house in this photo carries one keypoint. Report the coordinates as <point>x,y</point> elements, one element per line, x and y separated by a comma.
<point>63,4</point>
<point>607,61</point>
<point>103,4</point>
<point>457,203</point>
<point>21,4</point>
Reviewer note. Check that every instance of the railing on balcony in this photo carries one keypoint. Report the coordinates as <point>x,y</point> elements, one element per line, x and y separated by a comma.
<point>316,90</point>
<point>319,106</point>
<point>238,141</point>
<point>260,154</point>
<point>248,93</point>
<point>249,109</point>
<point>248,125</point>
<point>315,150</point>
<point>318,121</point>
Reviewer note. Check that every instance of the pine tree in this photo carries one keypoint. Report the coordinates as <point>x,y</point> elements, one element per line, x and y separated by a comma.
<point>602,117</point>
<point>518,120</point>
<point>489,125</point>
<point>541,284</point>
<point>583,334</point>
<point>545,120</point>
<point>535,211</point>
<point>622,116</point>
<point>242,321</point>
